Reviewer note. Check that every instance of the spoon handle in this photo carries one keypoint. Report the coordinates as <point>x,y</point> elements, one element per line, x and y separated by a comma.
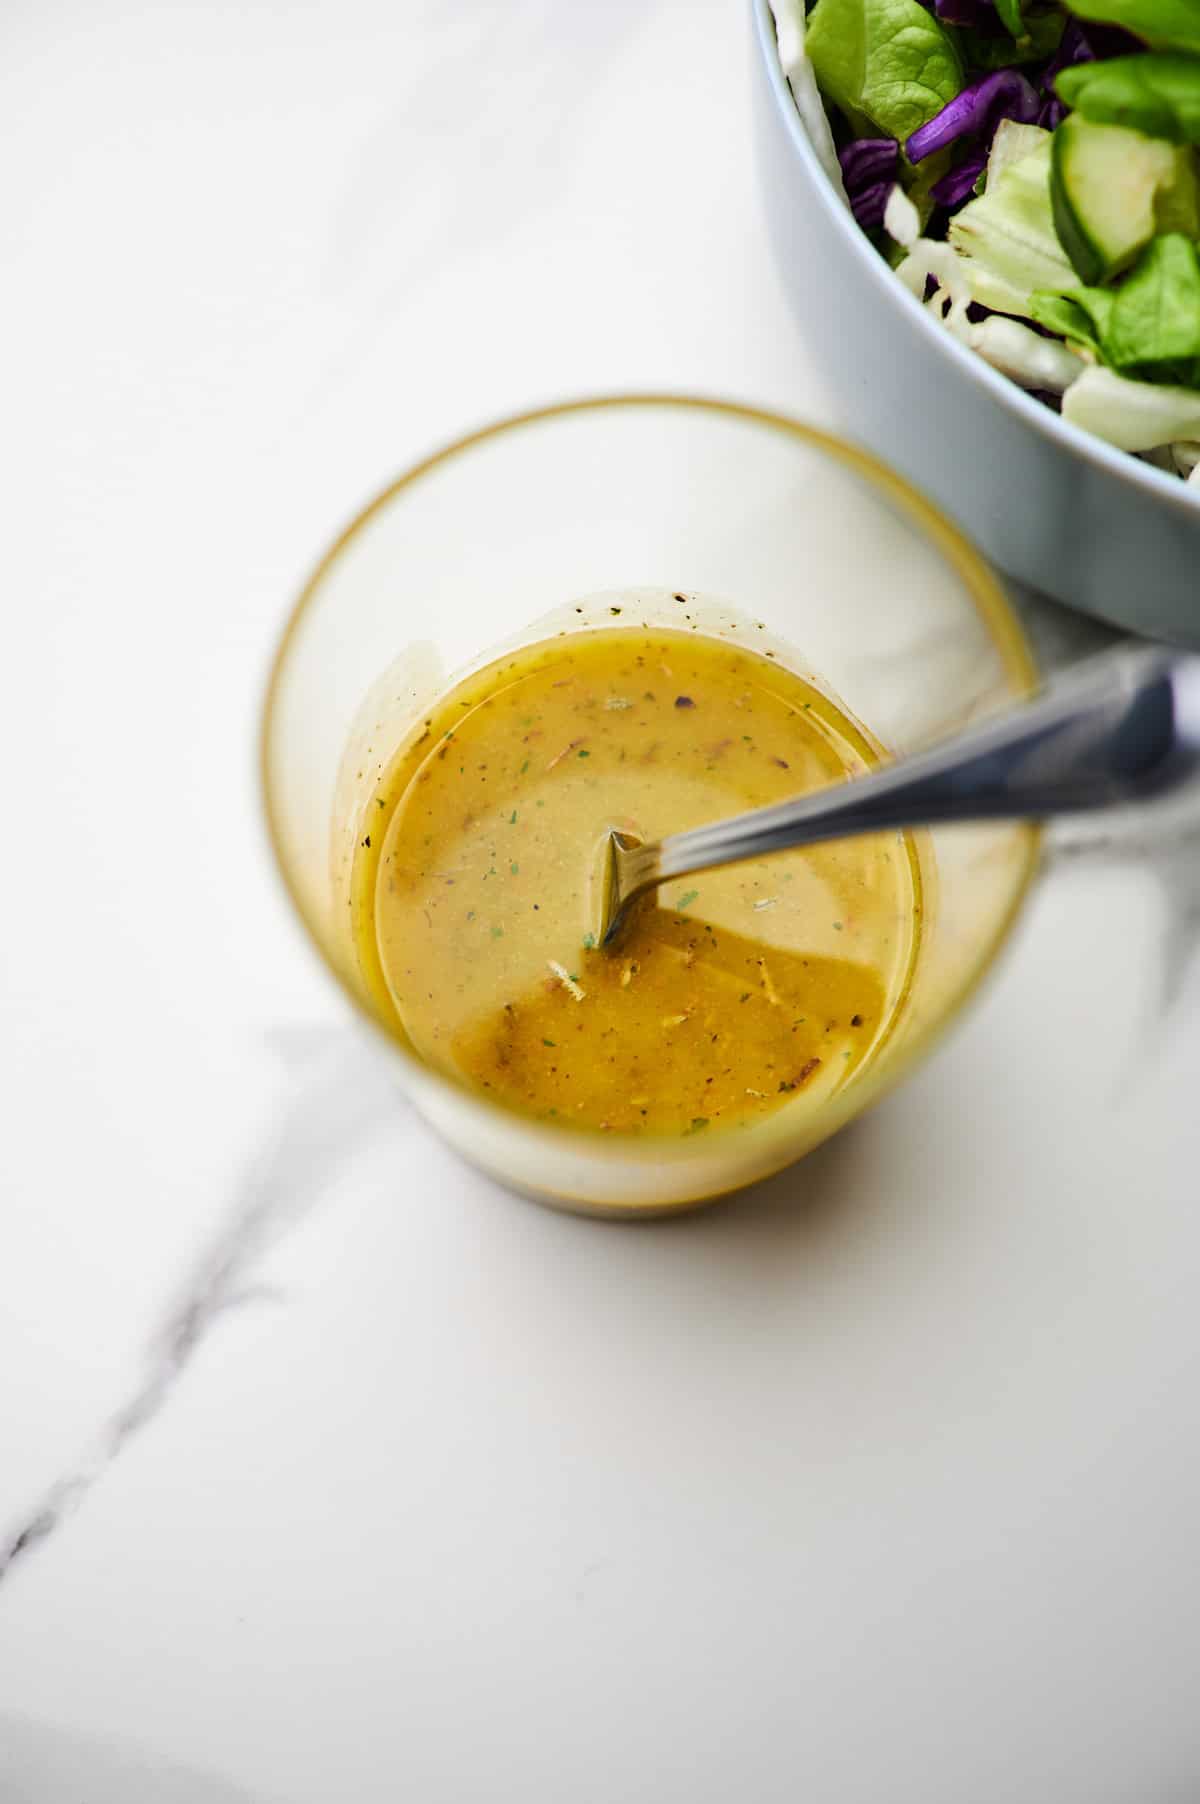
<point>1122,727</point>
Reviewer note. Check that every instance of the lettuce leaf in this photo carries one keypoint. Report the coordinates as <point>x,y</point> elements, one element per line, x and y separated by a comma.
<point>1158,94</point>
<point>1153,328</point>
<point>1012,143</point>
<point>1007,236</point>
<point>1069,317</point>
<point>1149,327</point>
<point>887,60</point>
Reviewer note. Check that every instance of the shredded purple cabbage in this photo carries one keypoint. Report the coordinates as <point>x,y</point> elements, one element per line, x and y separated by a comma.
<point>868,160</point>
<point>976,112</point>
<point>1052,113</point>
<point>1103,41</point>
<point>1075,47</point>
<point>959,12</point>
<point>958,185</point>
<point>869,170</point>
<point>870,205</point>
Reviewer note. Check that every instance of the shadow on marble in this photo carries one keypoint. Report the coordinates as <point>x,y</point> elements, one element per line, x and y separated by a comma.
<point>815,1206</point>
<point>1058,636</point>
<point>41,1764</point>
<point>1163,842</point>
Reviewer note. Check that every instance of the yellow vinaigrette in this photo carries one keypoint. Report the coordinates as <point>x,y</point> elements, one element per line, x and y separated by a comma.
<point>733,994</point>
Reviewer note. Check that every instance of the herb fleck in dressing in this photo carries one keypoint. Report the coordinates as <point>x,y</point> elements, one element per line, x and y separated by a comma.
<point>765,984</point>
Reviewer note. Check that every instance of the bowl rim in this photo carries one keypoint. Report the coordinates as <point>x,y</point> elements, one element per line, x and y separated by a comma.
<point>983,588</point>
<point>1123,465</point>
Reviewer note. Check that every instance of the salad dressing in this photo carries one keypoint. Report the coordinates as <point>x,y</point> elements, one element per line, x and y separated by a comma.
<point>760,986</point>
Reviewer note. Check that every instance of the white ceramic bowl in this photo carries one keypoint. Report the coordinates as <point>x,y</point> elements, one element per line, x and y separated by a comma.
<point>1049,504</point>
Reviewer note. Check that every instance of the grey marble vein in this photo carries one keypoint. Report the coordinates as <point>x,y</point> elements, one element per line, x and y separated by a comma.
<point>337,1090</point>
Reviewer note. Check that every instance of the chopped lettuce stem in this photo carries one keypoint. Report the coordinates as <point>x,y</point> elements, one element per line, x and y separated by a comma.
<point>798,72</point>
<point>1136,416</point>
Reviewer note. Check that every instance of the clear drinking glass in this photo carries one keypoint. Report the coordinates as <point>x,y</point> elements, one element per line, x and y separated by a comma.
<point>466,554</point>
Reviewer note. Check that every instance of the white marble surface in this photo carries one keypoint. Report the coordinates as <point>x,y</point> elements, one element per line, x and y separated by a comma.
<point>881,1484</point>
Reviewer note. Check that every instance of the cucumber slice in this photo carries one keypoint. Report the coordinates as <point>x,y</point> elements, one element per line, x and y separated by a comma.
<point>1109,187</point>
<point>1177,208</point>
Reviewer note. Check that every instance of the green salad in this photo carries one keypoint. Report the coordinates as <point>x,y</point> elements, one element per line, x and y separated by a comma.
<point>1032,171</point>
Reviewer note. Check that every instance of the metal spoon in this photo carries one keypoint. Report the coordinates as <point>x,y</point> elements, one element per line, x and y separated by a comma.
<point>1119,728</point>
